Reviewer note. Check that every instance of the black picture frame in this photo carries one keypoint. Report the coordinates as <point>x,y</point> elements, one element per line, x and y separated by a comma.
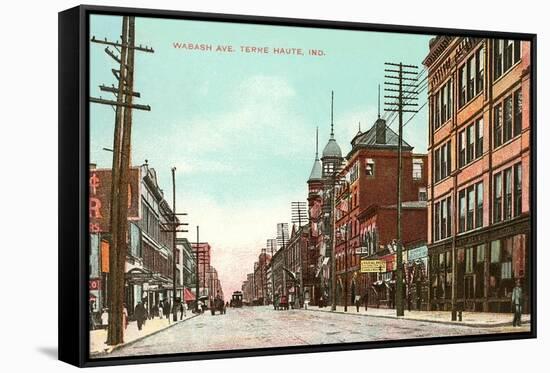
<point>73,184</point>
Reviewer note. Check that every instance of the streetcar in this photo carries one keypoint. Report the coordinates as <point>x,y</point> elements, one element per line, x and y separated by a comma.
<point>236,299</point>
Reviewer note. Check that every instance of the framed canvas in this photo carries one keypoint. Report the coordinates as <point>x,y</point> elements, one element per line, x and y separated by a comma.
<point>235,186</point>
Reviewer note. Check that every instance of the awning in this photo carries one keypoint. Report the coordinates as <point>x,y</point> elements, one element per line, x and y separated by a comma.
<point>188,295</point>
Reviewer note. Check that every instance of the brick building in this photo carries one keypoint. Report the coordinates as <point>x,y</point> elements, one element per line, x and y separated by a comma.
<point>203,249</point>
<point>479,157</point>
<point>260,278</point>
<point>366,212</point>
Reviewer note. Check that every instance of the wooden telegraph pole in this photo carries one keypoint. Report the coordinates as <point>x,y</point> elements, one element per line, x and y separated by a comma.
<point>123,104</point>
<point>407,90</point>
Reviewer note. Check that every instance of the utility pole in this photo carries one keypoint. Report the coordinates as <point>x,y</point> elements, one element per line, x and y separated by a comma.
<point>172,227</point>
<point>299,216</point>
<point>271,243</point>
<point>399,75</point>
<point>282,235</point>
<point>123,105</point>
<point>197,273</point>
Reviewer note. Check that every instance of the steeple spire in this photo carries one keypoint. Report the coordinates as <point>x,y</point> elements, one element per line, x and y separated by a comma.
<point>332,115</point>
<point>378,101</point>
<point>317,143</point>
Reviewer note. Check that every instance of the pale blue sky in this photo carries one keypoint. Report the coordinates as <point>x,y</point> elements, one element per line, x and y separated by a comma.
<point>240,128</point>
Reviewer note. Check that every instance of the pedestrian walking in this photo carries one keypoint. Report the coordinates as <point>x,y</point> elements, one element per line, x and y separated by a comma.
<point>92,315</point>
<point>161,311</point>
<point>357,301</point>
<point>517,303</point>
<point>105,317</point>
<point>124,315</point>
<point>166,309</point>
<point>183,310</point>
<point>366,300</point>
<point>140,313</point>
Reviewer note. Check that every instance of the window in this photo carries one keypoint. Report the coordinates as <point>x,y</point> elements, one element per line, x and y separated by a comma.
<point>369,169</point>
<point>437,226</point>
<point>444,232</point>
<point>417,169</point>
<point>497,203</point>
<point>448,216</point>
<point>479,137</point>
<point>422,194</point>
<point>480,253</point>
<point>498,46</point>
<point>471,77</point>
<point>471,207</point>
<point>328,168</point>
<point>479,205</point>
<point>437,161</point>
<point>442,161</point>
<point>506,54</point>
<point>495,251</point>
<point>462,148</point>
<point>497,119</point>
<point>442,219</point>
<point>471,69</point>
<point>462,88</point>
<point>508,194</point>
<point>469,259</point>
<point>480,62</point>
<point>462,211</point>
<point>517,112</point>
<point>517,189</point>
<point>507,119</point>
<point>442,104</point>
<point>470,143</point>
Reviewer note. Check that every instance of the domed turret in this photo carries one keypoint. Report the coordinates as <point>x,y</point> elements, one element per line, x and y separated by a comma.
<point>317,170</point>
<point>332,154</point>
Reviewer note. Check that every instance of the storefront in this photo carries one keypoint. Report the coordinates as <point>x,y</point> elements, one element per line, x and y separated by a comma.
<point>416,278</point>
<point>488,264</point>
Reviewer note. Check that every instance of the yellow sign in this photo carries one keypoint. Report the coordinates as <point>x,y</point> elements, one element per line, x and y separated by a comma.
<point>373,266</point>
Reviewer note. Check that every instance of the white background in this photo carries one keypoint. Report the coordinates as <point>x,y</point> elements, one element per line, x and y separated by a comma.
<point>28,184</point>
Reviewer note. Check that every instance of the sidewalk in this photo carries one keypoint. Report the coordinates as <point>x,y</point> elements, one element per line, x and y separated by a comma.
<point>132,334</point>
<point>473,319</point>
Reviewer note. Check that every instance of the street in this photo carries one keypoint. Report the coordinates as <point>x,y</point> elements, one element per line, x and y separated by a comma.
<point>261,327</point>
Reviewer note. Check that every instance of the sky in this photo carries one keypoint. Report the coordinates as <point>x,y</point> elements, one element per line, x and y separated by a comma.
<point>240,127</point>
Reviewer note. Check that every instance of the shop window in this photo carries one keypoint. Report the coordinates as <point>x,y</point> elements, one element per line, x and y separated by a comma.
<point>469,260</point>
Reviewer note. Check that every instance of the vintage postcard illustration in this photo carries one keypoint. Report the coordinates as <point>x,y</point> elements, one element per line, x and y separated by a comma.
<point>263,186</point>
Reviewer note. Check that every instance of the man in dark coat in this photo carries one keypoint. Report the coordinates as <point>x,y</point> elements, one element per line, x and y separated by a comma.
<point>517,303</point>
<point>166,309</point>
<point>140,313</point>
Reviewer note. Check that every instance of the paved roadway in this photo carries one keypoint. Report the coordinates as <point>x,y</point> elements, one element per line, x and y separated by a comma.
<point>256,327</point>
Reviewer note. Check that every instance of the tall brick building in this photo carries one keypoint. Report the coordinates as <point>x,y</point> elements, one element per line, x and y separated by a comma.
<point>366,212</point>
<point>479,157</point>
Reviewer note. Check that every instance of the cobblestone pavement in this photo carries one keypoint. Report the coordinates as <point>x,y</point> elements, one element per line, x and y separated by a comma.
<point>260,327</point>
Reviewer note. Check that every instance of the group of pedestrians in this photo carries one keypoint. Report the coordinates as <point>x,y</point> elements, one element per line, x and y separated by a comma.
<point>163,310</point>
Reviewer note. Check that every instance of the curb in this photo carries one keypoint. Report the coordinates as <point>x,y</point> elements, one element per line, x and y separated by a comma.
<point>126,344</point>
<point>461,323</point>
